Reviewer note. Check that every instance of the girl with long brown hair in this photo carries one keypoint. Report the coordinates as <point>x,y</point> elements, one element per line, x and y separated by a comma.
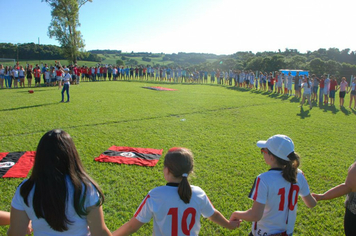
<point>59,197</point>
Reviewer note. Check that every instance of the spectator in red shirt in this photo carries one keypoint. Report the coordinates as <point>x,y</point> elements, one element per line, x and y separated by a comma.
<point>333,89</point>
<point>321,90</point>
<point>37,74</point>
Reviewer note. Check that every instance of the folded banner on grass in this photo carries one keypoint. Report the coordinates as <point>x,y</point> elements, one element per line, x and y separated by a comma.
<point>160,88</point>
<point>16,164</point>
<point>131,156</point>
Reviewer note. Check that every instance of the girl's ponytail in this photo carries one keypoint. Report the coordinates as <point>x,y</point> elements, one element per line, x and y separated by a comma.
<point>179,162</point>
<point>290,169</point>
<point>184,190</point>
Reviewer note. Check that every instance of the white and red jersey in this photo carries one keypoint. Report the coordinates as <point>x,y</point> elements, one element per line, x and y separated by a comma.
<point>271,189</point>
<point>171,216</point>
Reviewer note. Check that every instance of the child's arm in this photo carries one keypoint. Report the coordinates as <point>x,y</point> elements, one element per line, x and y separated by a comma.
<point>332,193</point>
<point>309,200</point>
<point>4,218</point>
<point>218,218</point>
<point>19,223</point>
<point>341,189</point>
<point>128,228</point>
<point>95,220</point>
<point>253,214</point>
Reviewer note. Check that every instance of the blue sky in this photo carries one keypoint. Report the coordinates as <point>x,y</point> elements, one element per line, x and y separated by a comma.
<point>203,26</point>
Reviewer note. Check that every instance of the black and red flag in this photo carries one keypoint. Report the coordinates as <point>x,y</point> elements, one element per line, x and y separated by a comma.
<point>131,156</point>
<point>16,164</point>
<point>160,88</point>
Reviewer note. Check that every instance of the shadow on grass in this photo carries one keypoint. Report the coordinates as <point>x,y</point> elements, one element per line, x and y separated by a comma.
<point>327,108</point>
<point>26,107</point>
<point>239,89</point>
<point>303,114</point>
<point>295,99</point>
<point>345,111</point>
<point>34,90</point>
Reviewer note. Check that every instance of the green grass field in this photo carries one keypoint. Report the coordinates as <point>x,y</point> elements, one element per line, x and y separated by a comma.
<point>219,124</point>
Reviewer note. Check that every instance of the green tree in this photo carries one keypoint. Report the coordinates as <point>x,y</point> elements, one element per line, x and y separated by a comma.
<point>296,62</point>
<point>64,24</point>
<point>317,66</point>
<point>332,67</point>
<point>120,62</point>
<point>255,63</point>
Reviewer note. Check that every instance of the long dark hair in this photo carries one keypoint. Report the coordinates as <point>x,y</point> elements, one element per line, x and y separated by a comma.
<point>179,162</point>
<point>57,159</point>
<point>290,168</point>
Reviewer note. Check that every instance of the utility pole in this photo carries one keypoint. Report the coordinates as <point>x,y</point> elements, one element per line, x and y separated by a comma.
<point>17,52</point>
<point>39,49</point>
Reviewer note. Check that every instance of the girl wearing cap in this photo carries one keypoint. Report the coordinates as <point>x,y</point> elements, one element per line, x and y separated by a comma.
<point>177,206</point>
<point>275,192</point>
<point>349,189</point>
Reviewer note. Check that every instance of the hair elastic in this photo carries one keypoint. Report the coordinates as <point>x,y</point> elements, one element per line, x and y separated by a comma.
<point>185,175</point>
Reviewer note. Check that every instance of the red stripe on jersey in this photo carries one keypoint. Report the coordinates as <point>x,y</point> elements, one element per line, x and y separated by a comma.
<point>210,202</point>
<point>142,204</point>
<point>256,189</point>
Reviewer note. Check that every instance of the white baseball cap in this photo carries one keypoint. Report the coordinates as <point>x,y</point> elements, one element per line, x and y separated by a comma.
<point>279,145</point>
<point>66,69</point>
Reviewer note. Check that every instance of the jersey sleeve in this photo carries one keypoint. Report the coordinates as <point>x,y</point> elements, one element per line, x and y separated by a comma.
<point>207,209</point>
<point>303,184</point>
<point>92,197</point>
<point>259,191</point>
<point>17,201</point>
<point>143,212</point>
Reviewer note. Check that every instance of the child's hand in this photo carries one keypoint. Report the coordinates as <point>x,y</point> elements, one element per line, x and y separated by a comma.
<point>233,224</point>
<point>29,228</point>
<point>318,197</point>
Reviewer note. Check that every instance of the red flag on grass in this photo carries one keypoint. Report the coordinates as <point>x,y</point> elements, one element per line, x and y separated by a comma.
<point>160,88</point>
<point>16,164</point>
<point>131,156</point>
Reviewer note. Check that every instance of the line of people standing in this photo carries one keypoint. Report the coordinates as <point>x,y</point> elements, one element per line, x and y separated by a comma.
<point>314,89</point>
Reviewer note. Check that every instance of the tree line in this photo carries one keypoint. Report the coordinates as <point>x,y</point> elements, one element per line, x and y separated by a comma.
<point>322,61</point>
<point>32,51</point>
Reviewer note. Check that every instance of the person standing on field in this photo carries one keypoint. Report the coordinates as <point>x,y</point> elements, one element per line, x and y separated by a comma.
<point>349,189</point>
<point>326,90</point>
<point>333,88</point>
<point>343,88</point>
<point>273,212</point>
<point>67,78</point>
<point>306,85</point>
<point>315,82</point>
<point>59,73</point>
<point>321,90</point>
<point>176,199</point>
<point>352,89</point>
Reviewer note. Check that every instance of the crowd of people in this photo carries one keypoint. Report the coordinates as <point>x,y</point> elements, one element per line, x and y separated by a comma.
<point>60,198</point>
<point>322,89</point>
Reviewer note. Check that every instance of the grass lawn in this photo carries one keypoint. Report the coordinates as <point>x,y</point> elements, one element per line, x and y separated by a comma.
<point>219,124</point>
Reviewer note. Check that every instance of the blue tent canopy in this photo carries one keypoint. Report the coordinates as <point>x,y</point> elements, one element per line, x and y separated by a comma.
<point>294,72</point>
